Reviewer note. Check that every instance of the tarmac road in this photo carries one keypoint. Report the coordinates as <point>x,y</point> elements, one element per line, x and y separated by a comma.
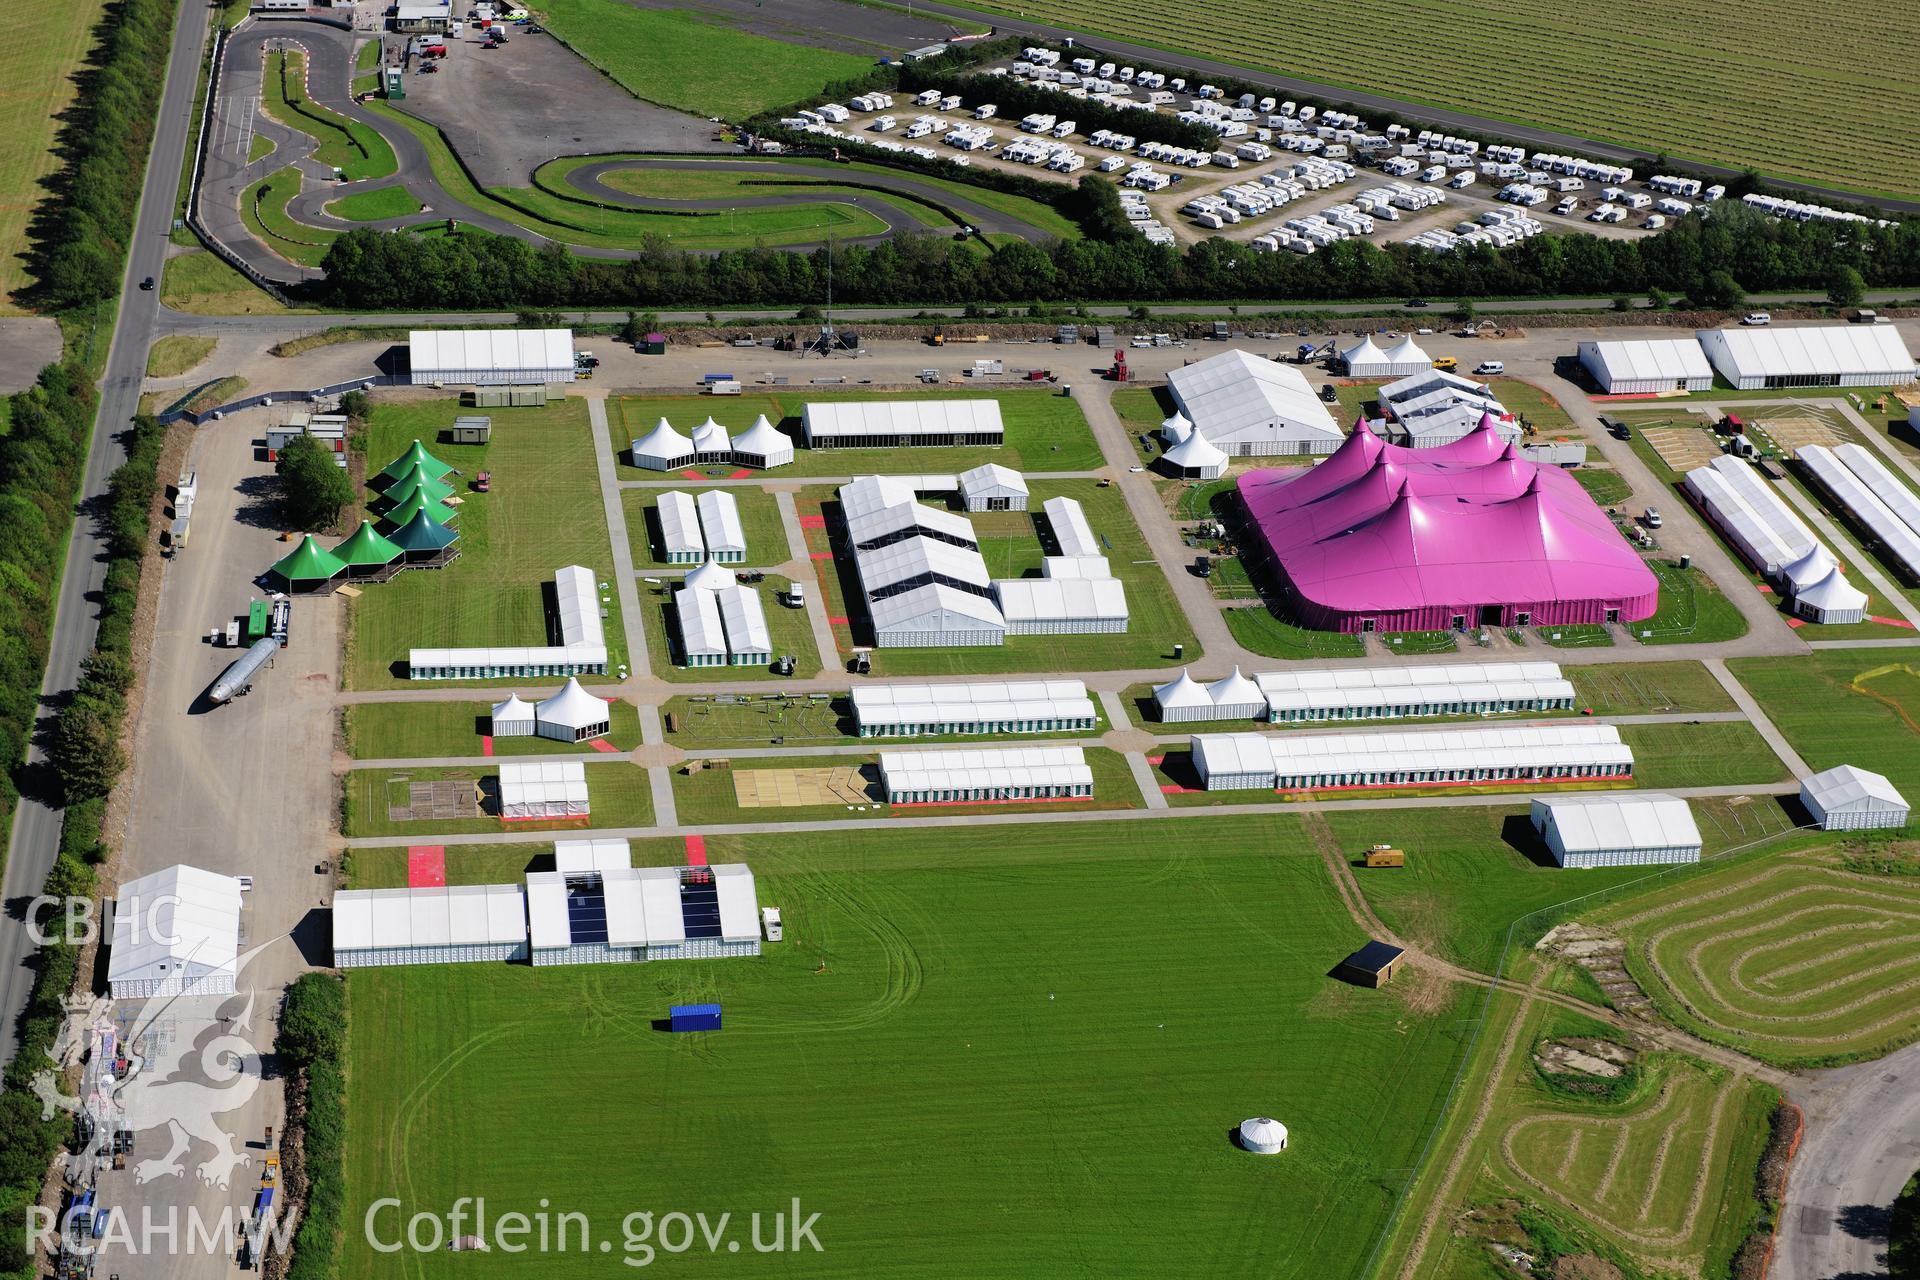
<point>36,829</point>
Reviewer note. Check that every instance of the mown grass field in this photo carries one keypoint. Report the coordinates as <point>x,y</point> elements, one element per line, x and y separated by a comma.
<point>1787,958</point>
<point>709,796</point>
<point>356,150</point>
<point>176,353</point>
<point>1257,628</point>
<point>617,792</point>
<point>708,726</point>
<point>1044,431</point>
<point>1713,754</point>
<point>1069,1025</point>
<point>1011,547</point>
<point>694,61</point>
<point>200,283</point>
<point>1692,609</point>
<point>788,628</point>
<point>759,517</point>
<point>38,70</point>
<point>1646,688</point>
<point>373,206</point>
<point>263,211</point>
<point>1844,707</point>
<point>1704,84</point>
<point>431,730</point>
<point>544,513</point>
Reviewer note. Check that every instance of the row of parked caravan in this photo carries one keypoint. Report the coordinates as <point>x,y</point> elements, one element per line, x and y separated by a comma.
<point>1275,190</point>
<point>1497,228</point>
<point>1134,204</point>
<point>1040,122</point>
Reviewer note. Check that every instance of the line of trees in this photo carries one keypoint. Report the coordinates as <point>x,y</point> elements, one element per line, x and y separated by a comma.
<point>309,1044</point>
<point>81,235</point>
<point>1737,249</point>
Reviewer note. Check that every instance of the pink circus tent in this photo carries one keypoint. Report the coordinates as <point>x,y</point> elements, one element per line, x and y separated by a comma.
<point>1467,533</point>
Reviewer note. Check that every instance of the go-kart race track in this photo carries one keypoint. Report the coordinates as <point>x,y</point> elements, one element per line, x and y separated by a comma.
<point>578,116</point>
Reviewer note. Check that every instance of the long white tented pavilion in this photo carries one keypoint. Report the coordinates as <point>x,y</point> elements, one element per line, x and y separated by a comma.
<point>894,424</point>
<point>442,924</point>
<point>1057,605</point>
<point>743,619</point>
<point>969,775</point>
<point>703,636</point>
<point>543,789</point>
<point>490,357</point>
<point>175,932</point>
<point>1643,366</point>
<point>582,649</point>
<point>1641,829</point>
<point>1067,520</point>
<point>720,527</point>
<point>922,577</point>
<point>1413,690</point>
<point>998,706</point>
<point>1428,757</point>
<point>1872,496</point>
<point>620,914</point>
<point>1827,355</point>
<point>681,541</point>
<point>1755,519</point>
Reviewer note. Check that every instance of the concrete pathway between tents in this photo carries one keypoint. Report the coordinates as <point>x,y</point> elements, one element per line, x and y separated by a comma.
<point>1757,717</point>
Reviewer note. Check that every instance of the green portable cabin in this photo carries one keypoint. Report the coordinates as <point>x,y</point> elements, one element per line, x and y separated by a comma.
<point>258,617</point>
<point>415,456</point>
<point>365,552</point>
<point>308,567</point>
<point>423,540</point>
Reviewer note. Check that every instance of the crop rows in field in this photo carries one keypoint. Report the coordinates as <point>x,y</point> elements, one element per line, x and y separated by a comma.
<point>1791,959</point>
<point>1646,1171</point>
<point>1777,88</point>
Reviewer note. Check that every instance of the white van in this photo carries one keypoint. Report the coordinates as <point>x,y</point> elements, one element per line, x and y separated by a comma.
<point>1487,368</point>
<point>796,596</point>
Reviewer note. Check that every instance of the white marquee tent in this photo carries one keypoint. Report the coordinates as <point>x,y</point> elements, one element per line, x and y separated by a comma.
<point>1263,1136</point>
<point>1833,355</point>
<point>720,527</point>
<point>1642,366</point>
<point>680,538</point>
<point>543,789</point>
<point>663,449</point>
<point>573,715</point>
<point>514,718</point>
<point>1195,458</point>
<point>1848,798</point>
<point>1249,407</point>
<point>762,445</point>
<point>985,773</point>
<point>1641,829</point>
<point>441,924</point>
<point>175,932</point>
<point>490,357</point>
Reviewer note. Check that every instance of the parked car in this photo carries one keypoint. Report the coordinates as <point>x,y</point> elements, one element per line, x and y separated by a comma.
<point>1756,318</point>
<point>1330,394</point>
<point>1652,518</point>
<point>1490,367</point>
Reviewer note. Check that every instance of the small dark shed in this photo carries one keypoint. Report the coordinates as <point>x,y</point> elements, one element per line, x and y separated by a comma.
<point>1372,965</point>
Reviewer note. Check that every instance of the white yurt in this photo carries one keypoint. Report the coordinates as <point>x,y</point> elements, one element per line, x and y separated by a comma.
<point>1183,698</point>
<point>1808,569</point>
<point>1176,428</point>
<point>513,718</point>
<point>1196,458</point>
<point>709,577</point>
<point>1406,357</point>
<point>662,449</point>
<point>1367,360</point>
<point>1263,1136</point>
<point>573,715</point>
<point>763,445</point>
<point>1832,599</point>
<point>710,441</point>
<point>1237,698</point>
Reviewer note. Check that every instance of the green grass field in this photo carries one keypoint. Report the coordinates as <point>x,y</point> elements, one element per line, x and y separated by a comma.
<point>355,149</point>
<point>1071,1092</point>
<point>432,730</point>
<point>1692,609</point>
<point>1604,485</point>
<point>263,211</point>
<point>1840,707</point>
<point>617,793</point>
<point>1717,753</point>
<point>202,284</point>
<point>694,61</point>
<point>376,205</point>
<point>1707,97</point>
<point>544,513</point>
<point>790,631</point>
<point>759,517</point>
<point>1256,628</point>
<point>1787,958</point>
<point>1044,432</point>
<point>1576,635</point>
<point>709,796</point>
<point>171,356</point>
<point>1011,548</point>
<point>1643,688</point>
<point>39,74</point>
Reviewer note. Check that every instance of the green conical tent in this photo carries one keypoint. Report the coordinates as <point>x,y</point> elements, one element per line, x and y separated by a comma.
<point>420,536</point>
<point>418,504</point>
<point>365,549</point>
<point>309,563</point>
<point>415,456</point>
<point>417,481</point>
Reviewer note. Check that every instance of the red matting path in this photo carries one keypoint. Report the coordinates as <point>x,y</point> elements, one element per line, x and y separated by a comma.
<point>696,851</point>
<point>426,866</point>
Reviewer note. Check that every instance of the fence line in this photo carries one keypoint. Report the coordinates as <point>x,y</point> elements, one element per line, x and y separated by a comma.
<point>309,395</point>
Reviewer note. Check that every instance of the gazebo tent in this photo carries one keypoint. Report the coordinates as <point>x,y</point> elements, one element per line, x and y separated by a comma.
<point>573,715</point>
<point>1810,568</point>
<point>1237,698</point>
<point>1196,458</point>
<point>1263,1136</point>
<point>366,553</point>
<point>1406,357</point>
<point>763,445</point>
<point>662,449</point>
<point>422,538</point>
<point>711,443</point>
<point>1183,698</point>
<point>309,566</point>
<point>417,481</point>
<point>1832,599</point>
<point>1176,428</point>
<point>1367,360</point>
<point>415,456</point>
<point>513,718</point>
<point>419,504</point>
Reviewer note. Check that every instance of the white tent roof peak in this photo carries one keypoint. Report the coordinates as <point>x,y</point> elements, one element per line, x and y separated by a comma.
<point>574,707</point>
<point>762,437</point>
<point>1407,351</point>
<point>708,577</point>
<point>1177,427</point>
<point>1811,567</point>
<point>1832,594</point>
<point>514,708</point>
<point>1263,1135</point>
<point>663,441</point>
<point>1183,691</point>
<point>1235,690</point>
<point>1365,352</point>
<point>1195,450</point>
